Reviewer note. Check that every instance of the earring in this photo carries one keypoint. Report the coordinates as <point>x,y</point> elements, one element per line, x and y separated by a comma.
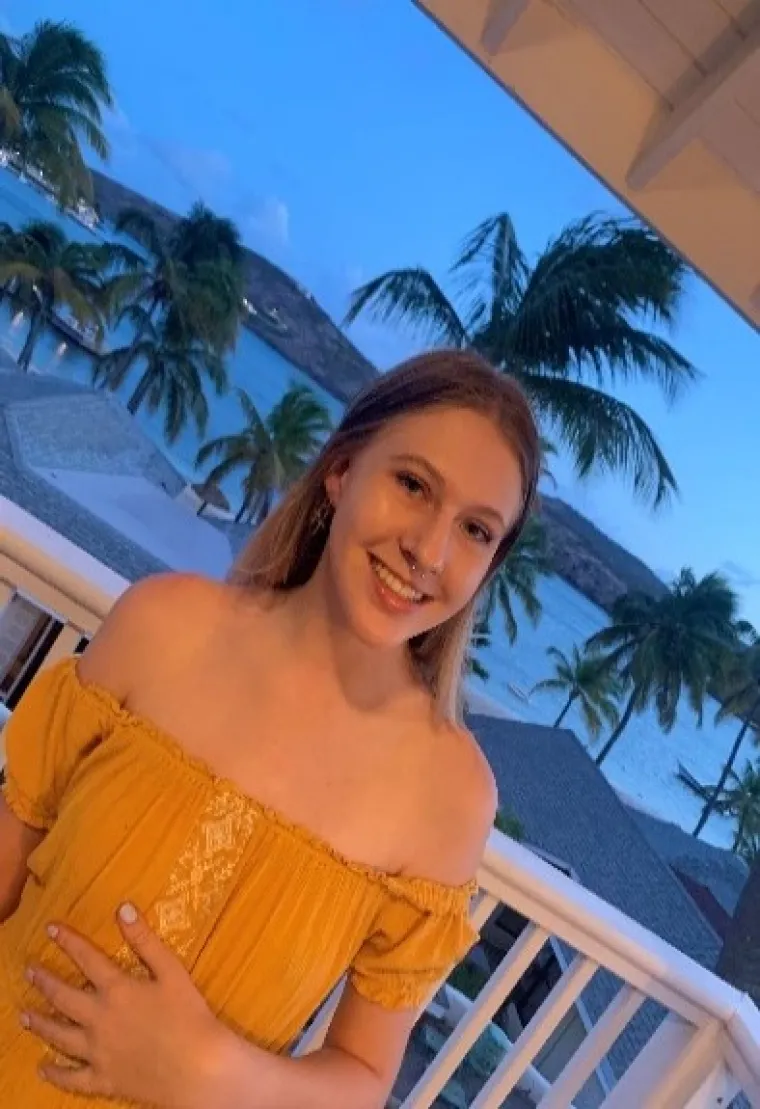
<point>321,517</point>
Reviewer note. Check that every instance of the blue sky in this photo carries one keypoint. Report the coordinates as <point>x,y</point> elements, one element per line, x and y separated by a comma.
<point>350,136</point>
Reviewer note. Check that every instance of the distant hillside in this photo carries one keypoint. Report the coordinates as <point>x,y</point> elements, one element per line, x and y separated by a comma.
<point>590,561</point>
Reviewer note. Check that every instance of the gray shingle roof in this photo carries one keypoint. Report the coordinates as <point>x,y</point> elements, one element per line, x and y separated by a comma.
<point>18,483</point>
<point>722,872</point>
<point>303,332</point>
<point>568,809</point>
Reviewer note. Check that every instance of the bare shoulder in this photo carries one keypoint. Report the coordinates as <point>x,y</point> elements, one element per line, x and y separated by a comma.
<point>463,799</point>
<point>158,611</point>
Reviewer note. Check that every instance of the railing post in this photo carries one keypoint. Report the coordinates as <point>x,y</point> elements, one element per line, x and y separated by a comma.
<point>538,1031</point>
<point>65,643</point>
<point>595,1046</point>
<point>671,1069</point>
<point>500,985</point>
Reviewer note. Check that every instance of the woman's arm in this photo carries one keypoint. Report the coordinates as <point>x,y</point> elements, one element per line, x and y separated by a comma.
<point>17,841</point>
<point>355,1069</point>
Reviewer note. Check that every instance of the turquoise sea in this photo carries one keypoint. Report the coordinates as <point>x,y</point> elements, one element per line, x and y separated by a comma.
<point>644,763</point>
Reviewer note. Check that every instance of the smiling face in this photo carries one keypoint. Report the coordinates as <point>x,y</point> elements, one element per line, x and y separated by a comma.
<point>419,515</point>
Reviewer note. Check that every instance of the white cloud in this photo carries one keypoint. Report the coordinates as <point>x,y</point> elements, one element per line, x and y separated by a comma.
<point>270,219</point>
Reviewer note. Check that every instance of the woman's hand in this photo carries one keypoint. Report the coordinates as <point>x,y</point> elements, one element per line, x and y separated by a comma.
<point>149,1040</point>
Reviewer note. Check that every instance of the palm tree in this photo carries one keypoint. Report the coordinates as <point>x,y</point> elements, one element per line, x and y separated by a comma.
<point>190,282</point>
<point>272,452</point>
<point>570,325</point>
<point>53,88</point>
<point>742,700</point>
<point>585,678</point>
<point>740,800</point>
<point>663,648</point>
<point>518,578</point>
<point>480,640</point>
<point>171,380</point>
<point>50,273</point>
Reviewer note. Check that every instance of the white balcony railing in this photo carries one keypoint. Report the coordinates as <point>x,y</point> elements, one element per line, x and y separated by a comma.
<point>701,1042</point>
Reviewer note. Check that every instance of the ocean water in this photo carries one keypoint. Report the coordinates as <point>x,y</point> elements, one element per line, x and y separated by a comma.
<point>642,766</point>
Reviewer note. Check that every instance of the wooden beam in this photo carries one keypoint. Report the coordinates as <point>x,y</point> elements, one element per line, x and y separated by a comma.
<point>501,18</point>
<point>685,121</point>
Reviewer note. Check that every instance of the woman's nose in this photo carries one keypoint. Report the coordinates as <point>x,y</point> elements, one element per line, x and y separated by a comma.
<point>429,546</point>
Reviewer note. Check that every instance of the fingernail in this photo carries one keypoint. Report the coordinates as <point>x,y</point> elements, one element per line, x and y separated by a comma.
<point>128,913</point>
<point>24,1020</point>
<point>52,931</point>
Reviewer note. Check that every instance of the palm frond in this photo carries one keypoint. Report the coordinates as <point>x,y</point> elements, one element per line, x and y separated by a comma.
<point>413,298</point>
<point>604,435</point>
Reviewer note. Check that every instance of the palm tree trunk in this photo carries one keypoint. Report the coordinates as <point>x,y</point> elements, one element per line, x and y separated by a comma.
<point>622,725</point>
<point>139,394</point>
<point>200,510</point>
<point>139,335</point>
<point>739,832</point>
<point>35,329</point>
<point>565,710</point>
<point>739,961</point>
<point>241,512</point>
<point>712,800</point>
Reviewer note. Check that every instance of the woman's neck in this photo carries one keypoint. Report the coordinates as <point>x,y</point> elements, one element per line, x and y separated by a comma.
<point>369,678</point>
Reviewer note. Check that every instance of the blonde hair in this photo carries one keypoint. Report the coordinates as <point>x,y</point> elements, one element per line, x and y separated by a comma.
<point>286,549</point>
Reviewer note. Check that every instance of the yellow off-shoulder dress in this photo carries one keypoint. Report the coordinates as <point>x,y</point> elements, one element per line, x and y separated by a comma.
<point>266,917</point>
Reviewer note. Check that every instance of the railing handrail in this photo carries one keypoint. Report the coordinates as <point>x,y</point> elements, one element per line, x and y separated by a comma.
<point>57,561</point>
<point>570,903</point>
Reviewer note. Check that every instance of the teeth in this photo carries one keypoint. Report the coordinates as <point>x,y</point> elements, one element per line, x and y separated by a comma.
<point>395,584</point>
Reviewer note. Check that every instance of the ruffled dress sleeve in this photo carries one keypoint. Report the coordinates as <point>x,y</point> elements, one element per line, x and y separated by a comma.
<point>55,725</point>
<point>421,933</point>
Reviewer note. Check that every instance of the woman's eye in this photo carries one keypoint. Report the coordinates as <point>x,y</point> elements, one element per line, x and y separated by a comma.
<point>412,484</point>
<point>479,533</point>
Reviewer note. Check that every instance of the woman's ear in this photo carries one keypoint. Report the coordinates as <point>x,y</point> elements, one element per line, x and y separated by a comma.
<point>334,483</point>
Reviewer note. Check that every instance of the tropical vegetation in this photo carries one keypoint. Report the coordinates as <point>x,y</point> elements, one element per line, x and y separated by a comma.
<point>517,579</point>
<point>664,648</point>
<point>181,293</point>
<point>586,316</point>
<point>738,798</point>
<point>187,279</point>
<point>584,678</point>
<point>740,698</point>
<point>46,274</point>
<point>271,452</point>
<point>172,378</point>
<point>53,90</point>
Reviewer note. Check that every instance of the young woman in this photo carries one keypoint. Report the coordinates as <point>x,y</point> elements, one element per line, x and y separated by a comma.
<point>242,791</point>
